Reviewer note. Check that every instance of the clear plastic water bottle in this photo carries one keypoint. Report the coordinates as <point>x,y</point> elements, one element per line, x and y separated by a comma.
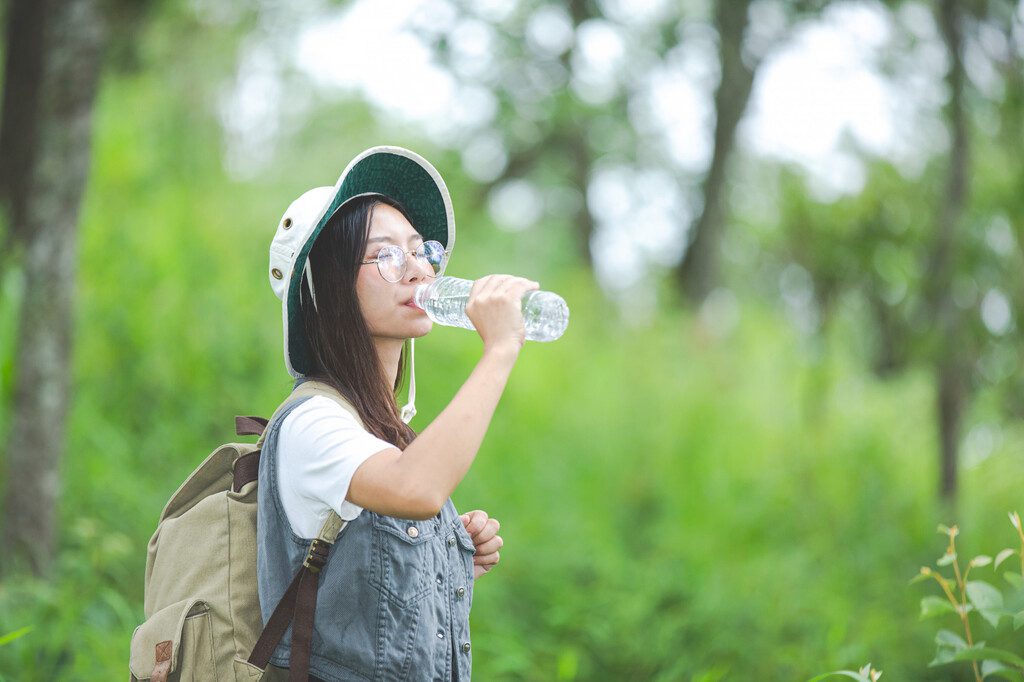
<point>545,314</point>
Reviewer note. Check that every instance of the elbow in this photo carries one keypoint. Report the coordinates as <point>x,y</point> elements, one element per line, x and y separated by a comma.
<point>419,503</point>
<point>425,506</point>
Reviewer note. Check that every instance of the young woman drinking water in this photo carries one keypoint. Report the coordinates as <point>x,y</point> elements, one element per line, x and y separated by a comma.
<point>395,593</point>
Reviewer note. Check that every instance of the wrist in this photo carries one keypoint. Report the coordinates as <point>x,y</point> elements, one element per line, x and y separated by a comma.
<point>507,351</point>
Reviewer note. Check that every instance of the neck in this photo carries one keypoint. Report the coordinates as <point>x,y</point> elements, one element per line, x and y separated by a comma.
<point>389,351</point>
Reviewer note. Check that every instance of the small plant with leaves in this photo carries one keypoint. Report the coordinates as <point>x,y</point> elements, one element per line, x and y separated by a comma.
<point>964,595</point>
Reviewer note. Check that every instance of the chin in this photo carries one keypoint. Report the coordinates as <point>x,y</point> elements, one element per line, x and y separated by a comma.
<point>421,329</point>
<point>408,331</point>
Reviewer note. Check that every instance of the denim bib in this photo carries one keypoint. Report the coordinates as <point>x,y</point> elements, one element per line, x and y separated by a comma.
<point>394,597</point>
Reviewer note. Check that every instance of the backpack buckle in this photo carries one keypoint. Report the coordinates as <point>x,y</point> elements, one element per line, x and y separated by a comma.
<point>316,557</point>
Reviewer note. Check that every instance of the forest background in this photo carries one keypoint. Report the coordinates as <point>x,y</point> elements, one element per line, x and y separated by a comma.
<point>789,234</point>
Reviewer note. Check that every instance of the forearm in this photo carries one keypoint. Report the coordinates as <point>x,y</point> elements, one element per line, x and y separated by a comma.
<point>439,457</point>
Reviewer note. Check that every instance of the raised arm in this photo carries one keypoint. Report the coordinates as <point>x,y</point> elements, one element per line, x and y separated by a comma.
<point>414,483</point>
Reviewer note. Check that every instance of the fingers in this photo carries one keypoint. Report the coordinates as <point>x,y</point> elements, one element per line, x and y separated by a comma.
<point>484,533</point>
<point>489,546</point>
<point>474,521</point>
<point>480,570</point>
<point>489,284</point>
<point>482,564</point>
<point>515,287</point>
<point>480,528</point>
<point>488,532</point>
<point>502,284</point>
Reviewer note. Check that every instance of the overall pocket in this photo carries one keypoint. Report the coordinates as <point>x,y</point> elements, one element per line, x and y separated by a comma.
<point>402,554</point>
<point>468,550</point>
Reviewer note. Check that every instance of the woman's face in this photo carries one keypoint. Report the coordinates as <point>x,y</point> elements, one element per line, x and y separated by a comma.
<point>386,305</point>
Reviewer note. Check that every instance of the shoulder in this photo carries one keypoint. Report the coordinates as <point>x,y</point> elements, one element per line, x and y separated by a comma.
<point>320,424</point>
<point>317,413</point>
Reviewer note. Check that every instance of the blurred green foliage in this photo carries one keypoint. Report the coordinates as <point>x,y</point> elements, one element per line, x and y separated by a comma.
<point>689,500</point>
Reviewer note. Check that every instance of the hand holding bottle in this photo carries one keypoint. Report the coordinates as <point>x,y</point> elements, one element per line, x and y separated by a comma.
<point>539,315</point>
<point>495,309</point>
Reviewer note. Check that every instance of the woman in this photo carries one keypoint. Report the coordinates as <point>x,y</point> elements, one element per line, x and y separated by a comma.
<point>395,593</point>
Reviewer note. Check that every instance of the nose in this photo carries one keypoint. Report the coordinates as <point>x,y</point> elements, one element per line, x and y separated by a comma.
<point>417,269</point>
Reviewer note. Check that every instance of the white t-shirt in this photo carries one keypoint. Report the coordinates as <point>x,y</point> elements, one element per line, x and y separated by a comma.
<point>320,446</point>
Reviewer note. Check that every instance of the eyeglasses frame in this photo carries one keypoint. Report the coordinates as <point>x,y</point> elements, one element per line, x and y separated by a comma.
<point>405,263</point>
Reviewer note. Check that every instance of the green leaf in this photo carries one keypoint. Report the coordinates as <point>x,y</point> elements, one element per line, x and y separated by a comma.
<point>847,673</point>
<point>987,599</point>
<point>950,639</point>
<point>1003,556</point>
<point>946,559</point>
<point>981,560</point>
<point>997,669</point>
<point>981,653</point>
<point>1007,674</point>
<point>11,636</point>
<point>932,606</point>
<point>943,655</point>
<point>1018,620</point>
<point>1015,579</point>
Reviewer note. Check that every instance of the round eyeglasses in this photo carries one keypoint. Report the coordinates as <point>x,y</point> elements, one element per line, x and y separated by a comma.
<point>391,261</point>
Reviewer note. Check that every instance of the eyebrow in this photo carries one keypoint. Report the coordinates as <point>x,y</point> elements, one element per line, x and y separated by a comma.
<point>389,239</point>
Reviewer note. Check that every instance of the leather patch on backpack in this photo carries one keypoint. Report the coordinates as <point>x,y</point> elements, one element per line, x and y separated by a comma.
<point>163,661</point>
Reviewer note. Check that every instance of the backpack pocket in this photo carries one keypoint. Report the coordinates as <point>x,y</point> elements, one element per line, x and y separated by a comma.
<point>175,643</point>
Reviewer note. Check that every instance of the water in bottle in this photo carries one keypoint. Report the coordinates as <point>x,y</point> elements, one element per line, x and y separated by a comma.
<point>545,314</point>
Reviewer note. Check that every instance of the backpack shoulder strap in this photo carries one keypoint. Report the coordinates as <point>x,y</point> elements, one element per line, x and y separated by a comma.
<point>312,387</point>
<point>246,468</point>
<point>298,604</point>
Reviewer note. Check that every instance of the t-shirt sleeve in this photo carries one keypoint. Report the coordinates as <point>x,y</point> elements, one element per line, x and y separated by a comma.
<point>320,447</point>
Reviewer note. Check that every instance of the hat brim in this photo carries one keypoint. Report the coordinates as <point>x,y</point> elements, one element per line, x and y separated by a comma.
<point>396,173</point>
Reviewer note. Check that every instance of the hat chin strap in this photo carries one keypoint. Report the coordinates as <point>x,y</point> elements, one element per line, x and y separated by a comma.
<point>409,409</point>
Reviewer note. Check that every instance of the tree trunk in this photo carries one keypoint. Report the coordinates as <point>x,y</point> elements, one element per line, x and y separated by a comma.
<point>50,170</point>
<point>583,221</point>
<point>950,366</point>
<point>698,272</point>
<point>24,60</point>
<point>578,149</point>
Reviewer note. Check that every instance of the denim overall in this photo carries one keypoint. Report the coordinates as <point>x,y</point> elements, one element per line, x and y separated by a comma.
<point>394,597</point>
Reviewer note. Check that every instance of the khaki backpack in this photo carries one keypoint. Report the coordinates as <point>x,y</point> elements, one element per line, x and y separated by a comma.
<point>203,618</point>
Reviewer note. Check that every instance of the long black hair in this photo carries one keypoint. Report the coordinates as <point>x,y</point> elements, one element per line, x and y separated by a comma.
<point>342,349</point>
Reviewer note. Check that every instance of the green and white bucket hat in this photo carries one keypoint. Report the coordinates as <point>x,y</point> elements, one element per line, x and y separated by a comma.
<point>394,172</point>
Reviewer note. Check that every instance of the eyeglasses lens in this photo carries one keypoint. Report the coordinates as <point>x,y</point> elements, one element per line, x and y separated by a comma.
<point>391,263</point>
<point>433,253</point>
<point>391,260</point>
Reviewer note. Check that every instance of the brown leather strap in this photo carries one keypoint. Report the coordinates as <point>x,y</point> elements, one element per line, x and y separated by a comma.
<point>250,426</point>
<point>275,628</point>
<point>302,627</point>
<point>297,606</point>
<point>247,470</point>
<point>163,661</point>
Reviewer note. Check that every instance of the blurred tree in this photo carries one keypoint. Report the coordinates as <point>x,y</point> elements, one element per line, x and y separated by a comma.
<point>933,267</point>
<point>698,271</point>
<point>51,75</point>
<point>551,135</point>
<point>951,365</point>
